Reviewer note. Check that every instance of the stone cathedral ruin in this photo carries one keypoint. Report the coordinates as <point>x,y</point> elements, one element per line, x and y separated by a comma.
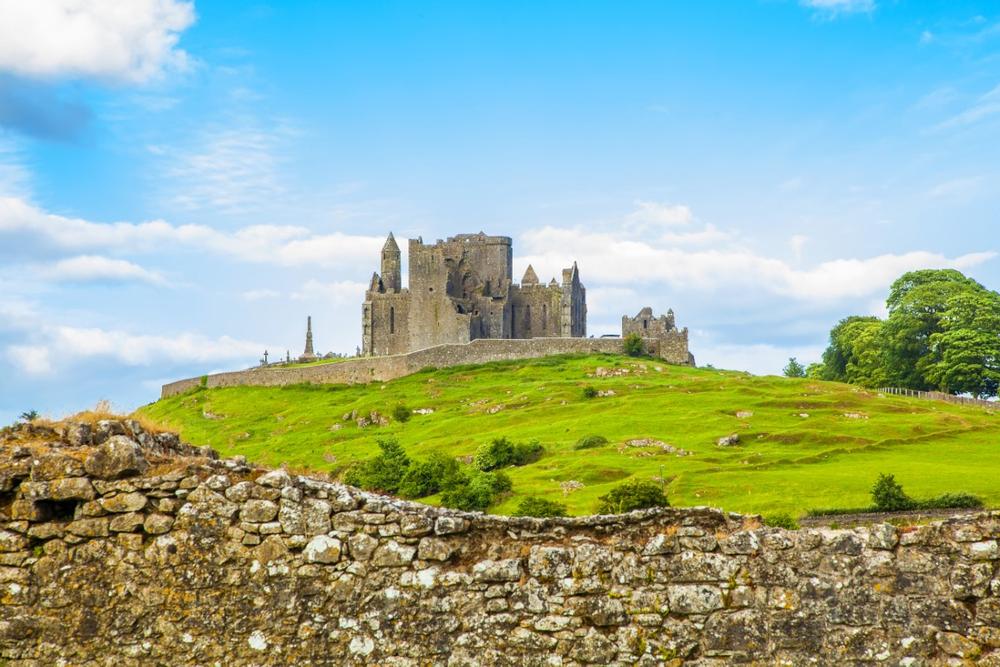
<point>460,306</point>
<point>462,289</point>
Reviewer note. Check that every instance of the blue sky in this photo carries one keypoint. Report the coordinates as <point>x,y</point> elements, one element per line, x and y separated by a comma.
<point>182,183</point>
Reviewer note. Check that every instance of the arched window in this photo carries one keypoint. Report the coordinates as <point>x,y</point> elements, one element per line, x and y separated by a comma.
<point>392,319</point>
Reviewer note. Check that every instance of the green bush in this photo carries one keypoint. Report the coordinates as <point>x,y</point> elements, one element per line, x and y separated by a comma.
<point>889,496</point>
<point>501,453</point>
<point>540,507</point>
<point>632,495</point>
<point>781,520</point>
<point>589,392</point>
<point>401,413</point>
<point>952,501</point>
<point>590,441</point>
<point>476,491</point>
<point>425,478</point>
<point>384,472</point>
<point>633,346</point>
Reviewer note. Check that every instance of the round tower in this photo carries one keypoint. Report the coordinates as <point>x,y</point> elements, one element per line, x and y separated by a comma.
<point>392,265</point>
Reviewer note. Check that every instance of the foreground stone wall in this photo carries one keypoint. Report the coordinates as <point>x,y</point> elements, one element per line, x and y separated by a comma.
<point>672,349</point>
<point>119,547</point>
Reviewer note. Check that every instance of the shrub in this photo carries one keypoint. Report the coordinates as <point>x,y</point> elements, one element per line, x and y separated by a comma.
<point>781,520</point>
<point>384,472</point>
<point>425,478</point>
<point>501,453</point>
<point>633,346</point>
<point>632,495</point>
<point>534,506</point>
<point>475,492</point>
<point>952,501</point>
<point>29,416</point>
<point>589,392</point>
<point>401,413</point>
<point>889,496</point>
<point>590,441</point>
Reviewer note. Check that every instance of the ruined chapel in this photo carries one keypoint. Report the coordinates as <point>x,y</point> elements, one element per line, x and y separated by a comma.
<point>462,289</point>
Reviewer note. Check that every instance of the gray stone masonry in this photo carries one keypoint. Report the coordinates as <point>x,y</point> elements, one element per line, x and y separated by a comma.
<point>672,349</point>
<point>461,289</point>
<point>160,554</point>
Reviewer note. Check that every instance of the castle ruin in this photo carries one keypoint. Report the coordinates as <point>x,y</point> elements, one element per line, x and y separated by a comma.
<point>460,290</point>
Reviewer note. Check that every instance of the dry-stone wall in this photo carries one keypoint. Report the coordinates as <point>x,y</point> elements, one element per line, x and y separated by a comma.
<point>121,547</point>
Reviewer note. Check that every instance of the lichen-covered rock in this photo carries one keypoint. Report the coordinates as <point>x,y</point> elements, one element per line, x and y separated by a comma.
<point>258,511</point>
<point>124,502</point>
<point>503,570</point>
<point>116,457</point>
<point>322,549</point>
<point>157,524</point>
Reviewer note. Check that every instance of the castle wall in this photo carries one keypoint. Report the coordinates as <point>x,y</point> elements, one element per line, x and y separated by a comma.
<point>380,369</point>
<point>389,315</point>
<point>536,311</point>
<point>205,562</point>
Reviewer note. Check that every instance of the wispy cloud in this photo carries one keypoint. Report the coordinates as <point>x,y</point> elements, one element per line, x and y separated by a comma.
<point>833,8</point>
<point>612,260</point>
<point>231,170</point>
<point>94,268</point>
<point>127,41</point>
<point>986,106</point>
<point>284,245</point>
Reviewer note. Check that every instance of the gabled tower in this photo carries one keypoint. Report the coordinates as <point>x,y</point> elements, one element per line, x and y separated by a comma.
<point>392,266</point>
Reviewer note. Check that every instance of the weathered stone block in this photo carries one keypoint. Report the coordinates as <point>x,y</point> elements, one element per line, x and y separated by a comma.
<point>322,549</point>
<point>258,511</point>
<point>124,502</point>
<point>497,570</point>
<point>119,456</point>
<point>97,527</point>
<point>72,488</point>
<point>393,554</point>
<point>434,549</point>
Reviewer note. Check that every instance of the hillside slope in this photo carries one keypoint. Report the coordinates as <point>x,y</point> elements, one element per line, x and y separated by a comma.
<point>803,444</point>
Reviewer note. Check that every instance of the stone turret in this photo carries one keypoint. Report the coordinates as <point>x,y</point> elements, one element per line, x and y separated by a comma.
<point>392,266</point>
<point>308,354</point>
<point>530,277</point>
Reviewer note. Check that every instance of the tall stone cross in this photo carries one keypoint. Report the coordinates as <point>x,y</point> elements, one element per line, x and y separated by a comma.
<point>309,337</point>
<point>265,357</point>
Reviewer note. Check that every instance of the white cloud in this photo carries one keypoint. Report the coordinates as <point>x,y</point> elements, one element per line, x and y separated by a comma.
<point>15,177</point>
<point>835,7</point>
<point>86,268</point>
<point>283,245</point>
<point>341,292</point>
<point>66,345</point>
<point>610,259</point>
<point>31,359</point>
<point>131,40</point>
<point>654,215</point>
<point>926,37</point>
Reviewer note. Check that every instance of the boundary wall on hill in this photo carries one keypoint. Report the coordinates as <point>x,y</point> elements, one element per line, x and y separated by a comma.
<point>120,553</point>
<point>672,349</point>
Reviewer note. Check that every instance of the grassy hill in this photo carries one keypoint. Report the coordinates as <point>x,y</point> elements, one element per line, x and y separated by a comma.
<point>807,444</point>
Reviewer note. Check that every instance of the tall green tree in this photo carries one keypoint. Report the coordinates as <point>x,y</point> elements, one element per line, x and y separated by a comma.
<point>793,369</point>
<point>964,356</point>
<point>854,349</point>
<point>916,303</point>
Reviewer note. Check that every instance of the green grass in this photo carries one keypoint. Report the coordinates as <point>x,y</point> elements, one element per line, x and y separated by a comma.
<point>784,463</point>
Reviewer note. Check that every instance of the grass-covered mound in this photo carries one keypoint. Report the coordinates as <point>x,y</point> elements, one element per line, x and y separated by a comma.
<point>802,443</point>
